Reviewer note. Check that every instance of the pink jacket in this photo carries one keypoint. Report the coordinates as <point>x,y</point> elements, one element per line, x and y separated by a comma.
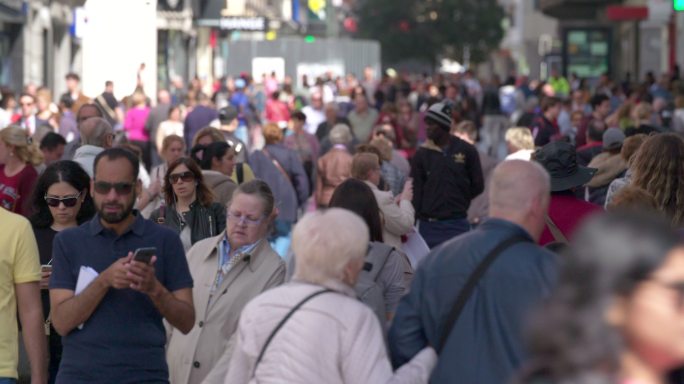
<point>134,124</point>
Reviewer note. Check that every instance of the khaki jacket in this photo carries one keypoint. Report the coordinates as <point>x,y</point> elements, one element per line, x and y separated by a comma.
<point>203,354</point>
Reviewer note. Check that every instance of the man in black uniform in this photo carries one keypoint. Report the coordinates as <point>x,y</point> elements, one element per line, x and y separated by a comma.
<point>447,175</point>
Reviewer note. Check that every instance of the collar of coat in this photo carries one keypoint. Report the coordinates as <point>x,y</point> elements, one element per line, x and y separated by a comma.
<point>429,144</point>
<point>251,257</point>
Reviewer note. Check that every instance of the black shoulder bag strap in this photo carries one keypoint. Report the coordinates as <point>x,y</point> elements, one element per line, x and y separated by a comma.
<point>469,286</point>
<point>240,173</point>
<point>282,322</point>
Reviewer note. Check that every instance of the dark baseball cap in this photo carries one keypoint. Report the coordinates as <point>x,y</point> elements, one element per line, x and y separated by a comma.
<point>227,114</point>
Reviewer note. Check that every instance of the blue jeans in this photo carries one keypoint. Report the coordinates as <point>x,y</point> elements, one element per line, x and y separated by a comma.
<point>7,380</point>
<point>437,232</point>
<point>242,133</point>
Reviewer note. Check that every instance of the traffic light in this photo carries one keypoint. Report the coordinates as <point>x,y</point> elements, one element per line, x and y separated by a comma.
<point>678,5</point>
<point>309,39</point>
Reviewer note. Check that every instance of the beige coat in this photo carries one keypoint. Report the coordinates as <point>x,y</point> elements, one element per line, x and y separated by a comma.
<point>203,354</point>
<point>397,219</point>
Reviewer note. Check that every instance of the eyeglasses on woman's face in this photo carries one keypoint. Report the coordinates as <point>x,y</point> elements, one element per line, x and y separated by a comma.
<point>68,201</point>
<point>185,177</point>
<point>238,218</point>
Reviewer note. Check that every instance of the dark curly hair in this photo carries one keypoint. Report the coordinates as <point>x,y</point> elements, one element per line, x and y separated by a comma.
<point>62,171</point>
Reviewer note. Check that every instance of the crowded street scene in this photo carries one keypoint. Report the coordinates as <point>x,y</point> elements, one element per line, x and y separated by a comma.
<point>342,191</point>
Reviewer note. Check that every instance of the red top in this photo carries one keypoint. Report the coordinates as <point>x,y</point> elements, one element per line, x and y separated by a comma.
<point>567,212</point>
<point>15,191</point>
<point>276,111</point>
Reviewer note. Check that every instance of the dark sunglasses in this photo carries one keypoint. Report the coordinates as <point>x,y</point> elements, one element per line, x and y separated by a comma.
<point>103,188</point>
<point>68,201</point>
<point>185,177</point>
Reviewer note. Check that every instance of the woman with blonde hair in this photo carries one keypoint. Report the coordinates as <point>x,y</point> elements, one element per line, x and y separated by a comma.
<point>643,113</point>
<point>46,109</point>
<point>658,168</point>
<point>134,124</point>
<point>520,143</point>
<point>18,156</point>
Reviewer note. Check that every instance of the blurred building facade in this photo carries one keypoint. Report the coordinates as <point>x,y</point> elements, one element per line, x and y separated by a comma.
<point>530,38</point>
<point>625,38</point>
<point>37,42</point>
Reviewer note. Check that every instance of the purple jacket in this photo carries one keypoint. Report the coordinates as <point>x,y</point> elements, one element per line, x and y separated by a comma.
<point>199,118</point>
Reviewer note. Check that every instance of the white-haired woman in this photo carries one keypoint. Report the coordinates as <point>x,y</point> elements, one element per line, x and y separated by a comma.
<point>314,330</point>
<point>520,143</point>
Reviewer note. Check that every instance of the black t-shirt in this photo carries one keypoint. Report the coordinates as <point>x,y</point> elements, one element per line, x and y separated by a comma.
<point>445,180</point>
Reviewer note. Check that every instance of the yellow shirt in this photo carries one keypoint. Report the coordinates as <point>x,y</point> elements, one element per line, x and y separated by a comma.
<point>19,263</point>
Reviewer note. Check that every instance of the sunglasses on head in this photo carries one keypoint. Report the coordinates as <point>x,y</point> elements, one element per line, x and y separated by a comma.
<point>103,188</point>
<point>184,176</point>
<point>69,201</point>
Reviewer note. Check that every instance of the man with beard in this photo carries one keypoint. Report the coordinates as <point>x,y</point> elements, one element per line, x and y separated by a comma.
<point>112,330</point>
<point>447,175</point>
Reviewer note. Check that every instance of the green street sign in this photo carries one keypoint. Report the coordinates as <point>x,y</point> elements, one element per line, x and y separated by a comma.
<point>678,5</point>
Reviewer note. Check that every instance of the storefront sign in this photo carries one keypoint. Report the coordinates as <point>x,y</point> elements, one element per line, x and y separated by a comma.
<point>236,23</point>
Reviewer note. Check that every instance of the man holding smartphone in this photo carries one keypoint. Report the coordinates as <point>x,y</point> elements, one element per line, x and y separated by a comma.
<point>122,338</point>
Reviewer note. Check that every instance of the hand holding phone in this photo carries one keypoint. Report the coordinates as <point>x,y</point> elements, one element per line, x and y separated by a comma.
<point>141,277</point>
<point>144,255</point>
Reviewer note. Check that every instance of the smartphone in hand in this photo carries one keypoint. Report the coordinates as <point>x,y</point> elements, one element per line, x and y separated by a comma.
<point>144,255</point>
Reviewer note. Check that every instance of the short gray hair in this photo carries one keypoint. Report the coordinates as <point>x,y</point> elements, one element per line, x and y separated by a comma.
<point>325,242</point>
<point>340,134</point>
<point>516,184</point>
<point>94,131</point>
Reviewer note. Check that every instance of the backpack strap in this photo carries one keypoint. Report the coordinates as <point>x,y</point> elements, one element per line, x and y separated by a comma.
<point>376,259</point>
<point>240,172</point>
<point>276,163</point>
<point>470,285</point>
<point>103,103</point>
<point>282,322</point>
<point>161,219</point>
<point>555,231</point>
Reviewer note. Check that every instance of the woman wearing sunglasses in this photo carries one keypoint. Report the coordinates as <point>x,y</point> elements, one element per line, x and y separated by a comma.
<point>617,314</point>
<point>229,270</point>
<point>61,200</point>
<point>189,206</point>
